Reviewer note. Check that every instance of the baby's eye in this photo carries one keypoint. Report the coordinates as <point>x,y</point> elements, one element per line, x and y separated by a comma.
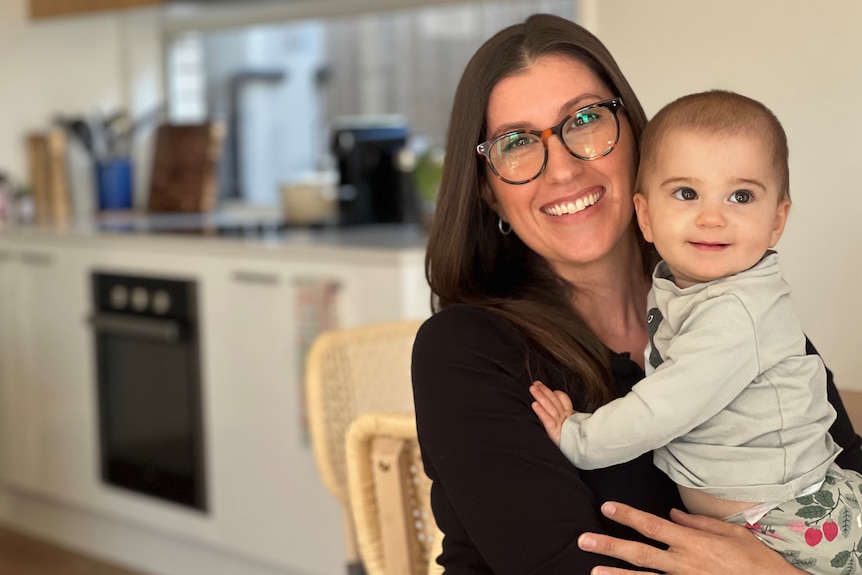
<point>741,197</point>
<point>686,194</point>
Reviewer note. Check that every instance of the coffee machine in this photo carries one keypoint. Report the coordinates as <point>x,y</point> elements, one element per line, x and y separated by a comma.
<point>375,172</point>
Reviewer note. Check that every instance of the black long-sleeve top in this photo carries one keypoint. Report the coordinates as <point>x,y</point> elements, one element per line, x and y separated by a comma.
<point>506,498</point>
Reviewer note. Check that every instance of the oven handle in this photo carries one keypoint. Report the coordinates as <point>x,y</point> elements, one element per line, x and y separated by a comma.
<point>166,330</point>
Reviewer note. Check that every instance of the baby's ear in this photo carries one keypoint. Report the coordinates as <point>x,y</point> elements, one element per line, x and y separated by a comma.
<point>781,213</point>
<point>642,211</point>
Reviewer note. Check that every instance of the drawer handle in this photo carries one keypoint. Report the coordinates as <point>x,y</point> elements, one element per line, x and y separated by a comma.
<point>36,259</point>
<point>256,278</point>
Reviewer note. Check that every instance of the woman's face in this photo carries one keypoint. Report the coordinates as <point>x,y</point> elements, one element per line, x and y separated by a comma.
<point>600,190</point>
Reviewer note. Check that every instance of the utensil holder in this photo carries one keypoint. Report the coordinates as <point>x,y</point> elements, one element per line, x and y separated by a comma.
<point>114,183</point>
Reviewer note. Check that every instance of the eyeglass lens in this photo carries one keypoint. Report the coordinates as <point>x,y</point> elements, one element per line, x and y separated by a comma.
<point>520,156</point>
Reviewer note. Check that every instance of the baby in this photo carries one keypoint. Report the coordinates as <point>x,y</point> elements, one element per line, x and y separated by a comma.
<point>733,407</point>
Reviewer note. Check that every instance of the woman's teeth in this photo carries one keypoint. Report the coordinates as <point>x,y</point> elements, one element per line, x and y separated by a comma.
<point>573,207</point>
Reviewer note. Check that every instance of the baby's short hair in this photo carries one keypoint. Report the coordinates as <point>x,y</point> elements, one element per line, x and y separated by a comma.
<point>716,112</point>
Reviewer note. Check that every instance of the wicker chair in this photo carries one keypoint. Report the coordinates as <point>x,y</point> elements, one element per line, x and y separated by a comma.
<point>350,372</point>
<point>391,496</point>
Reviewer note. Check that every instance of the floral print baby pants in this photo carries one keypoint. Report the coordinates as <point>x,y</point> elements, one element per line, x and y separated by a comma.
<point>820,533</point>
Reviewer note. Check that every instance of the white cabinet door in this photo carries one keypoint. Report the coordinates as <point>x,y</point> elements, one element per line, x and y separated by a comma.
<point>266,493</point>
<point>11,449</point>
<point>51,448</point>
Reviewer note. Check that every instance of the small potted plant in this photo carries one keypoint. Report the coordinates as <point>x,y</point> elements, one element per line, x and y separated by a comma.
<point>429,170</point>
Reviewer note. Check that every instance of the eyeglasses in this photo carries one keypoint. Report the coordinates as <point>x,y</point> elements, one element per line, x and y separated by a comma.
<point>589,133</point>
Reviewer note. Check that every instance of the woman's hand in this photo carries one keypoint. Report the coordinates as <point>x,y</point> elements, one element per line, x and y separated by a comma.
<point>696,545</point>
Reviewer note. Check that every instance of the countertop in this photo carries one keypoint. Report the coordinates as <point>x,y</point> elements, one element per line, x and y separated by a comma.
<point>263,230</point>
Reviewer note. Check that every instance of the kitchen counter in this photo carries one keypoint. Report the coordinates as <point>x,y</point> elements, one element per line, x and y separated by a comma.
<point>264,290</point>
<point>236,231</point>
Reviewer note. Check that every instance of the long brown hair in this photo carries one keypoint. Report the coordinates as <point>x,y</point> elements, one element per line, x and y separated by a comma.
<point>468,261</point>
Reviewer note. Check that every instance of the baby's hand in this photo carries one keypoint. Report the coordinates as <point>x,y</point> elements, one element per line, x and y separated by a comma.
<point>552,407</point>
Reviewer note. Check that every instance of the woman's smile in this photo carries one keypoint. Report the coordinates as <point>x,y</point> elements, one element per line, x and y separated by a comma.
<point>573,206</point>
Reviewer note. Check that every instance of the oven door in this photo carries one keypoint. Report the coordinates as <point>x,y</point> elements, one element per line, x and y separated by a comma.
<point>149,405</point>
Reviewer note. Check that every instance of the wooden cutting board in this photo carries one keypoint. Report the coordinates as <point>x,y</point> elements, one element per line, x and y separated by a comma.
<point>185,167</point>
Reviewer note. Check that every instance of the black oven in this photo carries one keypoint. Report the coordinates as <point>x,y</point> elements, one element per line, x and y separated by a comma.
<point>149,386</point>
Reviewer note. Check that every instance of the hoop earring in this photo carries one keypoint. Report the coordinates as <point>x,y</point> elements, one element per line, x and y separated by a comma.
<point>504,227</point>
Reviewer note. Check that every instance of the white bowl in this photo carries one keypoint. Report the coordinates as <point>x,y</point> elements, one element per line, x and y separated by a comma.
<point>310,202</point>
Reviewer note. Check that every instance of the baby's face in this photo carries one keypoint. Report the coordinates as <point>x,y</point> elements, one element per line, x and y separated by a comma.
<point>711,205</point>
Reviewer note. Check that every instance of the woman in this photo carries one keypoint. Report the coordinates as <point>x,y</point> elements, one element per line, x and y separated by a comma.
<point>540,272</point>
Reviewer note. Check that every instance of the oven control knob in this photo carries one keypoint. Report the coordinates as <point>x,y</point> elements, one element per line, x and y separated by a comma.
<point>119,296</point>
<point>161,302</point>
<point>140,299</point>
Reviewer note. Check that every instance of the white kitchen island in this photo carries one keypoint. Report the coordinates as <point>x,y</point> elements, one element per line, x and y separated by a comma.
<point>268,511</point>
